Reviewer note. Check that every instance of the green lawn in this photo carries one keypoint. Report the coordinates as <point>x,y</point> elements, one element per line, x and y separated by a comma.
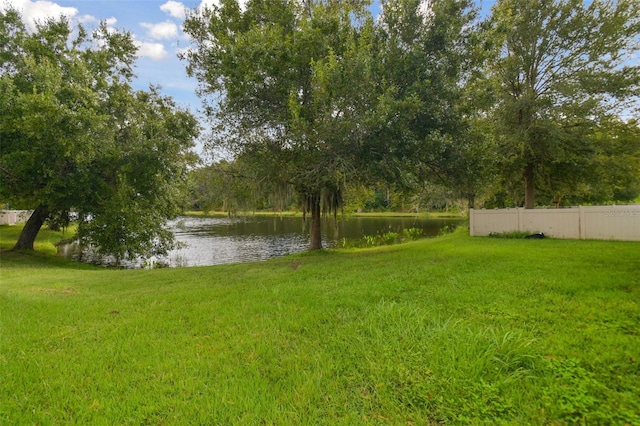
<point>451,330</point>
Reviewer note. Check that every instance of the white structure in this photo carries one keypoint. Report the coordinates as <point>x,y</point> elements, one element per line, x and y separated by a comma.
<point>590,222</point>
<point>11,217</point>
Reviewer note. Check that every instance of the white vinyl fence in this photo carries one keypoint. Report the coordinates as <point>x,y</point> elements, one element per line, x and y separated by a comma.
<point>590,222</point>
<point>11,217</point>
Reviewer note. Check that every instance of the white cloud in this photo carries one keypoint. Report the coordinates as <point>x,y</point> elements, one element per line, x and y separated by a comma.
<point>86,19</point>
<point>174,9</point>
<point>154,51</point>
<point>38,11</point>
<point>162,31</point>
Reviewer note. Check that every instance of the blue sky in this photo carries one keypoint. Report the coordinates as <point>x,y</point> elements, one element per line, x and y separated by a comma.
<point>155,25</point>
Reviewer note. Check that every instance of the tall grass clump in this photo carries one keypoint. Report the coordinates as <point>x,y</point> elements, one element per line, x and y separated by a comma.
<point>510,234</point>
<point>382,239</point>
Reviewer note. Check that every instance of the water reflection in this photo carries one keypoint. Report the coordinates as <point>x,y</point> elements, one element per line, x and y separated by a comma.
<point>211,241</point>
<point>217,240</point>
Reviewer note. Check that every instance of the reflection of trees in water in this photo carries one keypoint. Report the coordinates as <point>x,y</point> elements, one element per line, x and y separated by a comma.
<point>211,241</point>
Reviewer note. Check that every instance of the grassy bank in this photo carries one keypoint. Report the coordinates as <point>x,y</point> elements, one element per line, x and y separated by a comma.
<point>44,244</point>
<point>434,215</point>
<point>451,330</point>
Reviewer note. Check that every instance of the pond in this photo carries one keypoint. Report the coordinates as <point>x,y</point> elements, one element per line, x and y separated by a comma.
<point>218,240</point>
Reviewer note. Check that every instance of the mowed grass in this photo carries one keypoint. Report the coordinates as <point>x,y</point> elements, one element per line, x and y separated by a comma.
<point>451,330</point>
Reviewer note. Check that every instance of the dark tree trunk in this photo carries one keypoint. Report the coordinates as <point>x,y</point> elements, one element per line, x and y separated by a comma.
<point>31,228</point>
<point>316,235</point>
<point>529,189</point>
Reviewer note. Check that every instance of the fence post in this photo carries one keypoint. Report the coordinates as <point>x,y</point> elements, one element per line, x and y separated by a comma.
<point>581,223</point>
<point>520,218</point>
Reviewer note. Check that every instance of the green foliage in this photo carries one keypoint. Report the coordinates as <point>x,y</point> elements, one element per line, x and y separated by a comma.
<point>424,107</point>
<point>349,100</point>
<point>371,240</point>
<point>560,72</point>
<point>412,234</point>
<point>388,238</point>
<point>510,234</point>
<point>575,391</point>
<point>76,137</point>
<point>229,186</point>
<point>425,57</point>
<point>578,386</point>
<point>446,230</point>
<point>384,239</point>
<point>301,129</point>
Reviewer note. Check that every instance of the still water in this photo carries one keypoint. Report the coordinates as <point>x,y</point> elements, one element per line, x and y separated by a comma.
<point>216,240</point>
<point>210,241</point>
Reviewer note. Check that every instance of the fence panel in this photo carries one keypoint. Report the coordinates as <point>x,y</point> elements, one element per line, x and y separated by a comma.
<point>592,222</point>
<point>485,222</point>
<point>612,222</point>
<point>560,223</point>
<point>11,217</point>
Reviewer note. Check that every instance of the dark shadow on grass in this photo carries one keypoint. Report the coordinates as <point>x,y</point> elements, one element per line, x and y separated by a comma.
<point>34,259</point>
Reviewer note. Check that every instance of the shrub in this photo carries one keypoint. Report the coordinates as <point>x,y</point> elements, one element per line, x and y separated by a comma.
<point>510,234</point>
<point>411,234</point>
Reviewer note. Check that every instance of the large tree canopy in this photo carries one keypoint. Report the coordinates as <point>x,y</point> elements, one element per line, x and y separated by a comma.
<point>563,69</point>
<point>74,136</point>
<point>289,86</point>
<point>319,94</point>
<point>428,52</point>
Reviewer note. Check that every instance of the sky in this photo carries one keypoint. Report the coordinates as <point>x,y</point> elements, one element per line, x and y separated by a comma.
<point>156,26</point>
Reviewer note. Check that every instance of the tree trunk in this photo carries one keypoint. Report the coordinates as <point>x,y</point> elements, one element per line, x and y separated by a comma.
<point>316,235</point>
<point>31,228</point>
<point>529,189</point>
<point>471,198</point>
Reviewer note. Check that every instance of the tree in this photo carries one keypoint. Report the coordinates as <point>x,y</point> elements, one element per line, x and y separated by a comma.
<point>228,185</point>
<point>610,173</point>
<point>75,136</point>
<point>619,169</point>
<point>323,97</point>
<point>428,59</point>
<point>562,68</point>
<point>290,91</point>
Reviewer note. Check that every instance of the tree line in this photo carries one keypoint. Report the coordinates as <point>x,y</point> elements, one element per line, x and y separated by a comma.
<point>524,106</point>
<point>321,102</point>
